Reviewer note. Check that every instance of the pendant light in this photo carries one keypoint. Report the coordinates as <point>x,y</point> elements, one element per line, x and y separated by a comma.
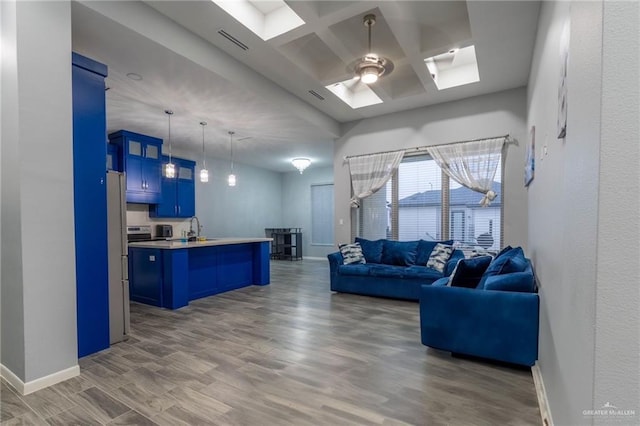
<point>232,178</point>
<point>204,173</point>
<point>169,168</point>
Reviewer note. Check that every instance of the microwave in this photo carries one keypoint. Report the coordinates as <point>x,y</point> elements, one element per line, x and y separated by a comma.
<point>164,231</point>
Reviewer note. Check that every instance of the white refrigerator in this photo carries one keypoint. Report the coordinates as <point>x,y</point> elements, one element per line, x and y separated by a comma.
<point>118,259</point>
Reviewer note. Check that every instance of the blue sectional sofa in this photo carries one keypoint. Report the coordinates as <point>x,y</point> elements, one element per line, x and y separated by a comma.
<point>498,319</point>
<point>394,269</point>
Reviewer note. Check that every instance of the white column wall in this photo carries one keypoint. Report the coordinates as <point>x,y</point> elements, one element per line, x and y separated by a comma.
<point>38,274</point>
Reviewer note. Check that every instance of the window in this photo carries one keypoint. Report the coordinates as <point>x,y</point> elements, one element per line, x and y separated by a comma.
<point>322,214</point>
<point>411,206</point>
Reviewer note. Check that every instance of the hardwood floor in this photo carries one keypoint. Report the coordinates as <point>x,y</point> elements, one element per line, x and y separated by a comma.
<point>291,353</point>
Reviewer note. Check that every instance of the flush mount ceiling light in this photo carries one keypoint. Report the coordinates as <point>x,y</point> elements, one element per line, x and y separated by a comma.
<point>371,67</point>
<point>169,168</point>
<point>231,180</point>
<point>301,163</point>
<point>204,173</point>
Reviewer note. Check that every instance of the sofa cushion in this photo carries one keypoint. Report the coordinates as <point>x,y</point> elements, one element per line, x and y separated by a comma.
<point>372,250</point>
<point>388,271</point>
<point>500,262</point>
<point>351,253</point>
<point>439,257</point>
<point>401,253</point>
<point>425,248</point>
<point>468,272</point>
<point>354,269</point>
<point>422,272</point>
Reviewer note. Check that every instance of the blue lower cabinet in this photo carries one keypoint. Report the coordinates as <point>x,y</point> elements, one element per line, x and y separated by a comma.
<point>170,278</point>
<point>145,276</point>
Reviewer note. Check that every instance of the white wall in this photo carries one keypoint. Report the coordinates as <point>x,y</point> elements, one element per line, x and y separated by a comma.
<point>38,255</point>
<point>617,356</point>
<point>588,286</point>
<point>296,205</point>
<point>483,116</point>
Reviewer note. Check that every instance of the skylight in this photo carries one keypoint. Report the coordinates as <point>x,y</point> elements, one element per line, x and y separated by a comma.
<point>454,68</point>
<point>354,93</point>
<point>266,18</point>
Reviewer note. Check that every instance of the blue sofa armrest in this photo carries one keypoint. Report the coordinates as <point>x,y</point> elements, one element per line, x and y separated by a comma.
<point>499,325</point>
<point>441,282</point>
<point>515,281</point>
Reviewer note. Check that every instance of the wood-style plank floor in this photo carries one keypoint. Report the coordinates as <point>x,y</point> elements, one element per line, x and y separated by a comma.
<point>291,353</point>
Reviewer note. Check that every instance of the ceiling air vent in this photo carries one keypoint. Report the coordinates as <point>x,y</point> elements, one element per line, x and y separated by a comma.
<point>233,40</point>
<point>316,94</point>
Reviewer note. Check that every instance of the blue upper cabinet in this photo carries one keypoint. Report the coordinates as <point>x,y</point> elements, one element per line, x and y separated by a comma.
<point>178,194</point>
<point>140,159</point>
<point>90,204</point>
<point>112,157</point>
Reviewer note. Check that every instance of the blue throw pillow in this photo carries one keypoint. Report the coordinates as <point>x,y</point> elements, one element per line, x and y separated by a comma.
<point>468,272</point>
<point>425,248</point>
<point>351,254</point>
<point>499,262</point>
<point>372,250</point>
<point>401,253</point>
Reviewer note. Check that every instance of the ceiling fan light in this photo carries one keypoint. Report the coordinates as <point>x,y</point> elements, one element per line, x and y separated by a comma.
<point>369,75</point>
<point>231,180</point>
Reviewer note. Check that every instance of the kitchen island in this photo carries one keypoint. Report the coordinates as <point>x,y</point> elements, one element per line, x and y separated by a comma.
<point>171,273</point>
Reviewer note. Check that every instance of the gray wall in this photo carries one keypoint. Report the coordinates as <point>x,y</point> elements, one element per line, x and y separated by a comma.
<point>483,116</point>
<point>588,351</point>
<point>241,211</point>
<point>296,205</point>
<point>38,259</point>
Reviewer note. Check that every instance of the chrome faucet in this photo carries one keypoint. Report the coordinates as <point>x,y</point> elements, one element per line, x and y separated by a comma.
<point>198,229</point>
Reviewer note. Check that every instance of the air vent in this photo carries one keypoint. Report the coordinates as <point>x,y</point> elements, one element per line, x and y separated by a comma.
<point>233,40</point>
<point>316,94</point>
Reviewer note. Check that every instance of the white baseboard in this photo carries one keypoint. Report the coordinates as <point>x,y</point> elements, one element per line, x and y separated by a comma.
<point>314,258</point>
<point>37,384</point>
<point>541,393</point>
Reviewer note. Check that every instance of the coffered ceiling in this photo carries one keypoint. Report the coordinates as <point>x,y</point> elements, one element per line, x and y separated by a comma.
<point>197,59</point>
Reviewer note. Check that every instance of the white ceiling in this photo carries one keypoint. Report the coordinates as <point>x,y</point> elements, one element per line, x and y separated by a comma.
<point>263,93</point>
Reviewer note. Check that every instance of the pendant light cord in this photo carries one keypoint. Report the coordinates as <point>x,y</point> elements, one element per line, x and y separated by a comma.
<point>231,144</point>
<point>169,113</point>
<point>204,160</point>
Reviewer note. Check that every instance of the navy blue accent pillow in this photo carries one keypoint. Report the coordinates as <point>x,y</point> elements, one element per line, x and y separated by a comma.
<point>503,251</point>
<point>516,263</point>
<point>425,248</point>
<point>495,268</point>
<point>401,253</point>
<point>468,272</point>
<point>372,250</point>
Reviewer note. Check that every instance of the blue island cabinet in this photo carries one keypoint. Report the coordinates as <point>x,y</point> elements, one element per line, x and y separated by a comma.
<point>170,277</point>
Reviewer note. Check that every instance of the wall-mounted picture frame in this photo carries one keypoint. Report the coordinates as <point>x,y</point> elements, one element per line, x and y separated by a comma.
<point>530,159</point>
<point>562,87</point>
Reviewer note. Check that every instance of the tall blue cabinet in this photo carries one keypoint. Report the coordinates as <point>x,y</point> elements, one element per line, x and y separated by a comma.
<point>90,204</point>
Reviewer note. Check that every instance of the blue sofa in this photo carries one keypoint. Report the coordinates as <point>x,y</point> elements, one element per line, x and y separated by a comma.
<point>394,269</point>
<point>498,319</point>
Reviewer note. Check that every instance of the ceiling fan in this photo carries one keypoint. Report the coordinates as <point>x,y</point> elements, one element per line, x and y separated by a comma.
<point>371,66</point>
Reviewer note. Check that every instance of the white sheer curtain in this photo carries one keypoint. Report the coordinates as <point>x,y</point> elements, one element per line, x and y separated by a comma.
<point>471,164</point>
<point>369,173</point>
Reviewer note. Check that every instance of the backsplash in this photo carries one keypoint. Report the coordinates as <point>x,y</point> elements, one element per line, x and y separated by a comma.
<point>138,214</point>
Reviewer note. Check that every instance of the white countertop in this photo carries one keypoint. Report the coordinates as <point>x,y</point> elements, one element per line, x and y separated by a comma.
<point>177,244</point>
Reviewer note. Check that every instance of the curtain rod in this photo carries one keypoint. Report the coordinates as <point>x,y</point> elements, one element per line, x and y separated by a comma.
<point>422,148</point>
